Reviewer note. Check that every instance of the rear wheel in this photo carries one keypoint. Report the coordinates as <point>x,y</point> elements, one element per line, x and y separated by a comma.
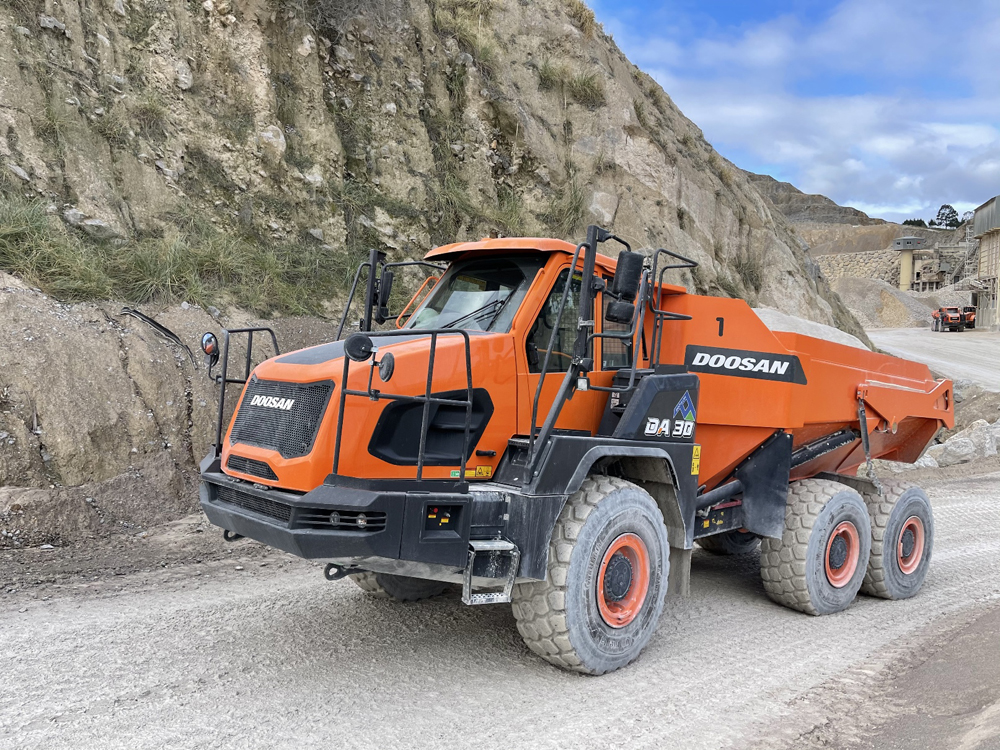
<point>730,543</point>
<point>400,588</point>
<point>819,563</point>
<point>607,576</point>
<point>902,540</point>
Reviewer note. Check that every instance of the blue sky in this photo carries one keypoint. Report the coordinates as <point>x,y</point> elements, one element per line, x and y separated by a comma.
<point>890,106</point>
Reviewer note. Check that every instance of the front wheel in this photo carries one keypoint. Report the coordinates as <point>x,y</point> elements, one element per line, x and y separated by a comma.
<point>399,588</point>
<point>607,576</point>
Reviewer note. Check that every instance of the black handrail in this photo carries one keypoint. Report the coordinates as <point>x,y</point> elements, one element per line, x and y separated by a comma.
<point>375,259</point>
<point>223,378</point>
<point>427,399</point>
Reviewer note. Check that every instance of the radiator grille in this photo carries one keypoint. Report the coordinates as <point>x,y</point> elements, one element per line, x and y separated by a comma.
<point>269,508</point>
<point>251,466</point>
<point>291,431</point>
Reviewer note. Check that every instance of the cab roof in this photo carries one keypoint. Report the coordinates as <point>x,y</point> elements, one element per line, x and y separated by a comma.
<point>488,246</point>
<point>491,246</point>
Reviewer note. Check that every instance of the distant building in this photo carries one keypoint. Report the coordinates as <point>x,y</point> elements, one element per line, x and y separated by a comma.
<point>909,243</point>
<point>926,267</point>
<point>986,229</point>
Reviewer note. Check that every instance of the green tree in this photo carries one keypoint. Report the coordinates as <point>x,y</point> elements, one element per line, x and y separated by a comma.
<point>947,216</point>
<point>915,223</point>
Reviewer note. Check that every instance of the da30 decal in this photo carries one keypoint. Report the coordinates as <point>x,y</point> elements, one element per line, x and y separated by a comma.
<point>785,368</point>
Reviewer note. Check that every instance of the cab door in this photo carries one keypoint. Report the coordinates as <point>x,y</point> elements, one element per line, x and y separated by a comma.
<point>584,410</point>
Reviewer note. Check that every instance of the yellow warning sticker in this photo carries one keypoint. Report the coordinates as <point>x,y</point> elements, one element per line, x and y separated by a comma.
<point>480,472</point>
<point>696,460</point>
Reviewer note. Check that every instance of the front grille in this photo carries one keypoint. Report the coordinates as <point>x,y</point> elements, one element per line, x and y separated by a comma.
<point>269,508</point>
<point>251,466</point>
<point>290,430</point>
<point>340,520</point>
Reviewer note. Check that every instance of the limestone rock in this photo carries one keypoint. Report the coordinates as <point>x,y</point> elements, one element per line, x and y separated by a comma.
<point>51,23</point>
<point>926,461</point>
<point>20,173</point>
<point>185,77</point>
<point>982,435</point>
<point>956,450</point>
<point>272,143</point>
<point>306,46</point>
<point>603,207</point>
<point>99,229</point>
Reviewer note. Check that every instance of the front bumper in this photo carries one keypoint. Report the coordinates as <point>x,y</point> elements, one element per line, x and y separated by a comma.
<point>324,523</point>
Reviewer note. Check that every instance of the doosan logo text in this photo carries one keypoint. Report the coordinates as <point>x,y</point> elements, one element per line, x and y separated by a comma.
<point>272,402</point>
<point>747,364</point>
<point>741,363</point>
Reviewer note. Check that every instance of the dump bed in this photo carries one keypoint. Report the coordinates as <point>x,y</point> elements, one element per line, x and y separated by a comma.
<point>755,381</point>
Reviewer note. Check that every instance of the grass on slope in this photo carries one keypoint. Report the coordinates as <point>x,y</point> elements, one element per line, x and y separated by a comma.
<point>192,262</point>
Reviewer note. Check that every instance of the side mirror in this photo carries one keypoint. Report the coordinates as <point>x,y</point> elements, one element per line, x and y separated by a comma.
<point>620,312</point>
<point>628,275</point>
<point>210,346</point>
<point>358,347</point>
<point>384,290</point>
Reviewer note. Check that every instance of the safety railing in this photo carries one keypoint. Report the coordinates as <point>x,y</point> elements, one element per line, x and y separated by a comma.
<point>223,377</point>
<point>427,399</point>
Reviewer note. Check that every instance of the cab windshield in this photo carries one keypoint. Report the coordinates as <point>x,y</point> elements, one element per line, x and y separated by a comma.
<point>481,294</point>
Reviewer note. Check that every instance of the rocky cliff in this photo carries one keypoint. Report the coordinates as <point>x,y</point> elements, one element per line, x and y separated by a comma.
<point>399,124</point>
<point>829,228</point>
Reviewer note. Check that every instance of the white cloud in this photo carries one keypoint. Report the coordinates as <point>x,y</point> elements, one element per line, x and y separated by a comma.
<point>887,105</point>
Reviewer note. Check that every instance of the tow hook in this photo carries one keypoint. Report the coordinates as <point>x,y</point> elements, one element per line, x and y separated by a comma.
<point>231,536</point>
<point>334,572</point>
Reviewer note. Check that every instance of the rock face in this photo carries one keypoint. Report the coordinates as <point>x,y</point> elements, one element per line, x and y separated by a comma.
<point>802,208</point>
<point>433,121</point>
<point>94,404</point>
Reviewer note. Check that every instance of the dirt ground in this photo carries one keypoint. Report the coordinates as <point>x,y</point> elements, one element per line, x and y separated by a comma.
<point>179,640</point>
<point>970,355</point>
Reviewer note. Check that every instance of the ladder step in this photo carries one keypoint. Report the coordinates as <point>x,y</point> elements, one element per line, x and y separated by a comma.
<point>486,547</point>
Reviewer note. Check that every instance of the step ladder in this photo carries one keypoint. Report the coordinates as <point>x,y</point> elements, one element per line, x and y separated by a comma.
<point>490,547</point>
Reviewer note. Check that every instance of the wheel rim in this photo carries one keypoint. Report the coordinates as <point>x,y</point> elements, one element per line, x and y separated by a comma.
<point>910,545</point>
<point>842,553</point>
<point>623,580</point>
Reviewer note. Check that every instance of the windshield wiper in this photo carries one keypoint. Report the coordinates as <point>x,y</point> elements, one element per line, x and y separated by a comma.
<point>477,311</point>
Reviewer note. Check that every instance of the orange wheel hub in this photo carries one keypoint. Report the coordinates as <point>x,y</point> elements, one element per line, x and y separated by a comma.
<point>842,552</point>
<point>623,580</point>
<point>910,545</point>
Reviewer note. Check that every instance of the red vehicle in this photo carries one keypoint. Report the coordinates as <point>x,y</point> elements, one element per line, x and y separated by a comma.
<point>969,314</point>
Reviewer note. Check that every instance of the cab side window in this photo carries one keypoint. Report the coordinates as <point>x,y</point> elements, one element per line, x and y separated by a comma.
<point>564,326</point>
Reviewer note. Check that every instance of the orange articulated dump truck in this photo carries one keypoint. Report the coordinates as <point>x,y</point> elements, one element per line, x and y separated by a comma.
<point>553,428</point>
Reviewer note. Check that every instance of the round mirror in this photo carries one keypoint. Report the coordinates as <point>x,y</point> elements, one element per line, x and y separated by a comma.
<point>209,344</point>
<point>386,366</point>
<point>359,347</point>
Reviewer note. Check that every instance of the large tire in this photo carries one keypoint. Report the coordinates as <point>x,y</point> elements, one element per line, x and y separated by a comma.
<point>819,563</point>
<point>399,588</point>
<point>730,543</point>
<point>902,541</point>
<point>607,577</point>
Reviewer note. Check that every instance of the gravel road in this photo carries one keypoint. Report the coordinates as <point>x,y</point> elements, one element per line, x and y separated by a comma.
<point>970,355</point>
<point>273,656</point>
